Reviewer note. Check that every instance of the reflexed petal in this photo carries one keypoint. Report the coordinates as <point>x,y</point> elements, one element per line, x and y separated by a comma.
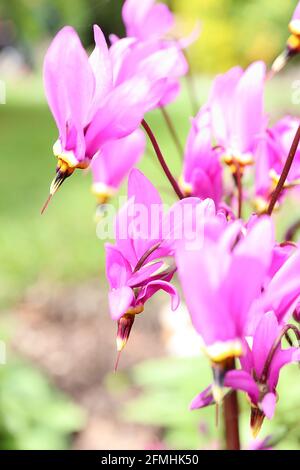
<point>102,68</point>
<point>135,11</point>
<point>144,20</point>
<point>202,400</point>
<point>118,269</point>
<point>284,289</point>
<point>157,23</point>
<point>282,358</point>
<point>242,380</point>
<point>268,405</point>
<point>296,15</point>
<point>201,273</point>
<point>249,118</point>
<point>152,287</point>
<point>185,219</point>
<point>264,337</point>
<point>144,274</point>
<point>247,359</point>
<point>280,255</point>
<point>117,158</point>
<point>123,234</point>
<point>148,212</point>
<point>251,245</point>
<point>119,301</point>
<point>122,111</point>
<point>220,103</point>
<point>142,190</point>
<point>69,84</point>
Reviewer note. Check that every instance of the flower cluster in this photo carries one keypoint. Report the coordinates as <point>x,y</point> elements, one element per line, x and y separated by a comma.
<point>240,284</point>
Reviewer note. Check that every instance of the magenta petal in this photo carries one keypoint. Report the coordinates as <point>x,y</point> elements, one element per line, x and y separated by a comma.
<point>202,400</point>
<point>145,20</point>
<point>263,228</point>
<point>266,333</point>
<point>117,158</point>
<point>281,359</point>
<point>134,13</point>
<point>144,274</point>
<point>123,234</point>
<point>220,103</point>
<point>69,83</point>
<point>119,301</point>
<point>238,295</point>
<point>102,68</point>
<point>201,272</point>
<point>152,287</point>
<point>296,15</point>
<point>284,289</point>
<point>249,116</point>
<point>148,212</point>
<point>142,190</point>
<point>113,120</point>
<point>157,23</point>
<point>118,269</point>
<point>280,256</point>
<point>166,63</point>
<point>119,53</point>
<point>172,90</point>
<point>268,405</point>
<point>242,380</point>
<point>181,220</point>
<point>247,359</point>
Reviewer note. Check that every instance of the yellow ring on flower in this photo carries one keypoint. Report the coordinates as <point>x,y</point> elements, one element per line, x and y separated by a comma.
<point>222,350</point>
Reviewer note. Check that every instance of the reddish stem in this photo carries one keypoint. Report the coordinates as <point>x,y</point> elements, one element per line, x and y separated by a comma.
<point>239,184</point>
<point>285,172</point>
<point>231,418</point>
<point>162,160</point>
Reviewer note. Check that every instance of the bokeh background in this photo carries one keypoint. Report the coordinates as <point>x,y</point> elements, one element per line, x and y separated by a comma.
<point>57,389</point>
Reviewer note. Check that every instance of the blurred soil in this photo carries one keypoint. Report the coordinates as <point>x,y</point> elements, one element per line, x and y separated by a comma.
<point>68,334</point>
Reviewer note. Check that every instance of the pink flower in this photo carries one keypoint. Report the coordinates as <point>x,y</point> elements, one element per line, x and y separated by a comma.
<point>141,262</point>
<point>293,43</point>
<point>221,279</point>
<point>260,371</point>
<point>155,59</point>
<point>272,151</point>
<point>295,22</point>
<point>261,444</point>
<point>114,162</point>
<point>237,112</point>
<point>282,293</point>
<point>88,107</point>
<point>146,19</point>
<point>296,14</point>
<point>147,47</point>
<point>202,171</point>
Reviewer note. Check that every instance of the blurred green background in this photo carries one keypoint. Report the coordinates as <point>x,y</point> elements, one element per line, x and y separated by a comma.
<point>56,390</point>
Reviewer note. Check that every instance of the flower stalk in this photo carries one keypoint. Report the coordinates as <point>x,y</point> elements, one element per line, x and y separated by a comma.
<point>231,418</point>
<point>161,160</point>
<point>285,172</point>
